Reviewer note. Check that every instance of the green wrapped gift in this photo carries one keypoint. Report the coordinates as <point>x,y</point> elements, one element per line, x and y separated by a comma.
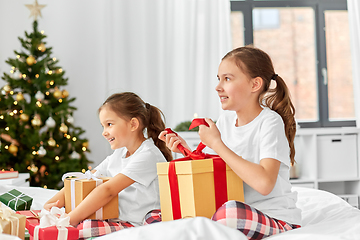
<point>16,200</point>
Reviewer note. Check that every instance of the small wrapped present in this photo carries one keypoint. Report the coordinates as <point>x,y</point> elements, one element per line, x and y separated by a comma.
<point>16,200</point>
<point>78,185</point>
<point>11,223</point>
<point>45,225</point>
<point>196,185</point>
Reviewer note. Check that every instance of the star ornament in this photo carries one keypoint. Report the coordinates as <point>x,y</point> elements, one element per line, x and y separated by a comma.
<point>35,9</point>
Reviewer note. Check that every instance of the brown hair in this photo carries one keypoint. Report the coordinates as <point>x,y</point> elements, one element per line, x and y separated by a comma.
<point>256,63</point>
<point>128,105</point>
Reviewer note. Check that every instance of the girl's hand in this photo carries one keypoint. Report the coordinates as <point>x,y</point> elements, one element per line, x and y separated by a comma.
<point>48,206</point>
<point>210,136</point>
<point>172,141</point>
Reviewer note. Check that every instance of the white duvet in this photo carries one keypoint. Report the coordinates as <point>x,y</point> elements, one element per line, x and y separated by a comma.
<point>325,216</point>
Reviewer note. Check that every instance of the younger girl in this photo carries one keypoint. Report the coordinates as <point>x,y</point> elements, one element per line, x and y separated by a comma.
<point>255,137</point>
<point>132,166</point>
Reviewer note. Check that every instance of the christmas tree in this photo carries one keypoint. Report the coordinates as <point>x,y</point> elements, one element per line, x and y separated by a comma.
<point>37,132</point>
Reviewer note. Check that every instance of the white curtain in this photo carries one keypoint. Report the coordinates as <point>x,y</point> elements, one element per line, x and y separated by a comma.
<point>168,52</point>
<point>354,24</point>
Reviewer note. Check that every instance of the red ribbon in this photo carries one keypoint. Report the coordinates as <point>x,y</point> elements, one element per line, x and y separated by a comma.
<point>219,172</point>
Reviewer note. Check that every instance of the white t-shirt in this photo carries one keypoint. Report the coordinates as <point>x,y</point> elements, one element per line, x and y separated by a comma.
<point>143,195</point>
<point>264,137</point>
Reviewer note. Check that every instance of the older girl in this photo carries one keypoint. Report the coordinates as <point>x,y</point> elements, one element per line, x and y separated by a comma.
<point>255,137</point>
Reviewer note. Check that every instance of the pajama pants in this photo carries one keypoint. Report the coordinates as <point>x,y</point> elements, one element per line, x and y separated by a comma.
<point>94,228</point>
<point>250,221</point>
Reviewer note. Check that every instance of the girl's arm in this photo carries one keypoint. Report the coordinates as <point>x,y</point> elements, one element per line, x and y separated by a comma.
<point>99,197</point>
<point>172,141</point>
<point>261,177</point>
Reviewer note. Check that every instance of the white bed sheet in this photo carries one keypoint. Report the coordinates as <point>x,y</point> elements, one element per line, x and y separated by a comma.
<point>325,216</point>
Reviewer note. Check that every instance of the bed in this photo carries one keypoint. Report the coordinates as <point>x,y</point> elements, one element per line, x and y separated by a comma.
<point>324,216</point>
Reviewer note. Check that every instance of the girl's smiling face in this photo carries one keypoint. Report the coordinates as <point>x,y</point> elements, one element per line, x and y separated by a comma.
<point>234,87</point>
<point>116,130</point>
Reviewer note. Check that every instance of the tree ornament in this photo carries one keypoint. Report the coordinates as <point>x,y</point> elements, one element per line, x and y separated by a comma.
<point>24,117</point>
<point>70,119</point>
<point>13,149</point>
<point>39,96</point>
<point>57,93</point>
<point>33,168</point>
<point>35,10</point>
<point>75,155</point>
<point>85,144</point>
<point>41,47</point>
<point>41,151</point>
<point>50,122</point>
<point>63,128</point>
<point>65,93</point>
<point>36,121</point>
<point>30,60</point>
<point>17,74</point>
<point>42,170</point>
<point>19,97</point>
<point>7,88</point>
<point>8,138</point>
<point>51,142</point>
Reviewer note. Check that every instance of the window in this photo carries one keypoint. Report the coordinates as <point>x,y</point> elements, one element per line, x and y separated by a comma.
<point>265,18</point>
<point>309,43</point>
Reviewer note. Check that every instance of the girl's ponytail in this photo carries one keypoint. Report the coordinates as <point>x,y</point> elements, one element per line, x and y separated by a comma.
<point>154,127</point>
<point>278,99</point>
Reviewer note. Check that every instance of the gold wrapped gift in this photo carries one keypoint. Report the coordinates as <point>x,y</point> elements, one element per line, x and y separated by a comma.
<point>76,190</point>
<point>196,188</point>
<point>11,223</point>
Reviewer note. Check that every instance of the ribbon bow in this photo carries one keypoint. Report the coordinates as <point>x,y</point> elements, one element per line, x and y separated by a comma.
<point>197,153</point>
<point>79,175</point>
<point>6,214</point>
<point>219,172</point>
<point>55,217</point>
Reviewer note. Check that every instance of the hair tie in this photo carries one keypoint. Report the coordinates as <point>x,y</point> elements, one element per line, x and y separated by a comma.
<point>274,76</point>
<point>147,105</point>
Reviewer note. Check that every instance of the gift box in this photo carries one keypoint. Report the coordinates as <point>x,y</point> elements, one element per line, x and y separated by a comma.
<point>76,190</point>
<point>196,185</point>
<point>49,232</point>
<point>196,188</point>
<point>16,200</point>
<point>12,223</point>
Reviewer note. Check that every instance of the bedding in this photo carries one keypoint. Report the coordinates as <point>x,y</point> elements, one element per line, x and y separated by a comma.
<point>324,216</point>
